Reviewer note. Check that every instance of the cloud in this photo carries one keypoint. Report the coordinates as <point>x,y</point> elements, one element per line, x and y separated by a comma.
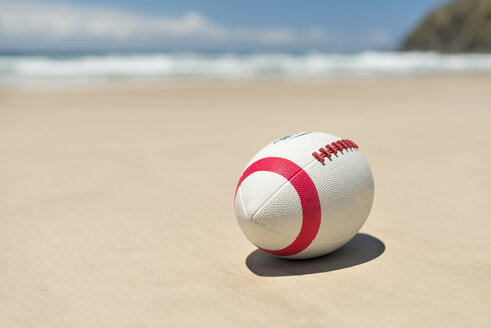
<point>60,21</point>
<point>380,36</point>
<point>39,24</point>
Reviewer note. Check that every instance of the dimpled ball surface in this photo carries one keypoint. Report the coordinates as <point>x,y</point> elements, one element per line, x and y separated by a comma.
<point>293,205</point>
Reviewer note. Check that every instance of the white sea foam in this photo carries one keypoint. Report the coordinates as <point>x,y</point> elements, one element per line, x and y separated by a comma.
<point>72,70</point>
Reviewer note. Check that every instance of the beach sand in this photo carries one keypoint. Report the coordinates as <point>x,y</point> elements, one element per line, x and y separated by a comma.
<point>116,206</point>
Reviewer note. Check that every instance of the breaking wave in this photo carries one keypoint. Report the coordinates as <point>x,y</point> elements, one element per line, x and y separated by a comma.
<point>32,70</point>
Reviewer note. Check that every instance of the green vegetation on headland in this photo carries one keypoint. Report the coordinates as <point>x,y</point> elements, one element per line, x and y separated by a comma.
<point>459,26</point>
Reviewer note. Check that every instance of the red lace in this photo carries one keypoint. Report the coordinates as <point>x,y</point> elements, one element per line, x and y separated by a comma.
<point>333,149</point>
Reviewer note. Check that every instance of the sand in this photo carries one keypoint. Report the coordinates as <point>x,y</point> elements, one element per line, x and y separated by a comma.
<point>116,206</point>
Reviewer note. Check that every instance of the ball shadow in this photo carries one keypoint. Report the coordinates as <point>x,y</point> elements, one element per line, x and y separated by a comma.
<point>360,249</point>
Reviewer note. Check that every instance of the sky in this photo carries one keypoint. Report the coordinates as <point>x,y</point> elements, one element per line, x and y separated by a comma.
<point>289,25</point>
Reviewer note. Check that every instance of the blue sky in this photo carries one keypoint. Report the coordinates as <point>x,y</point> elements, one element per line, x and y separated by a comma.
<point>342,25</point>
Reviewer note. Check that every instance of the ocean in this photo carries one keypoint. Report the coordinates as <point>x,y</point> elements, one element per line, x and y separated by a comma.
<point>58,70</point>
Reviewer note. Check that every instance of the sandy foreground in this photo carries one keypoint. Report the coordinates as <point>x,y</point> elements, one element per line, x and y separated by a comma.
<point>116,206</point>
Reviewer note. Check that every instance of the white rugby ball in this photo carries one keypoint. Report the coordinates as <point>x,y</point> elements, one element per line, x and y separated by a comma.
<point>304,195</point>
